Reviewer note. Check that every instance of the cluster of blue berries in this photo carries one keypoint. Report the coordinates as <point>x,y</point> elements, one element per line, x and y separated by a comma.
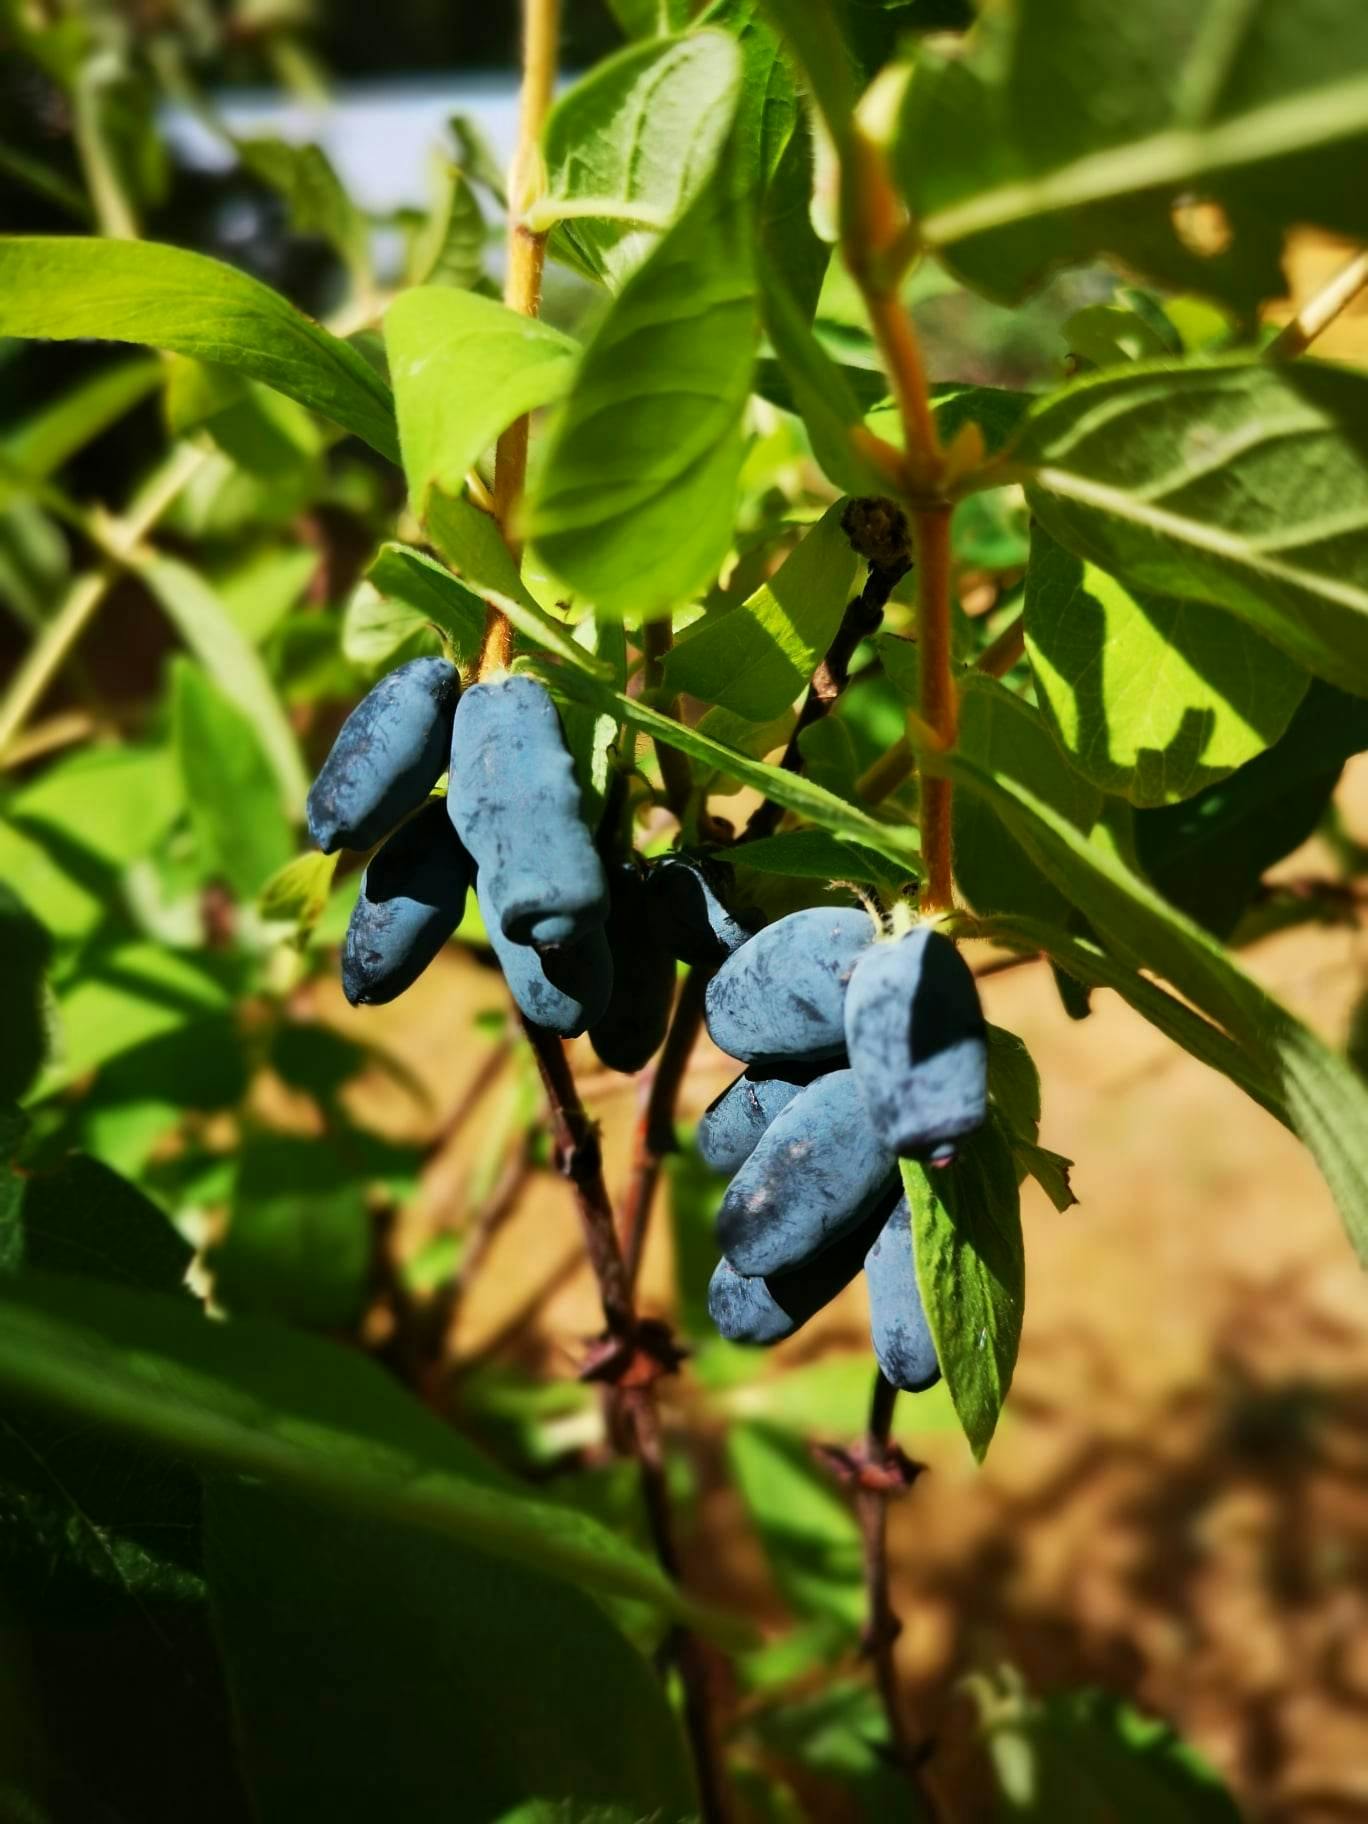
<point>859,1051</point>
<point>583,947</point>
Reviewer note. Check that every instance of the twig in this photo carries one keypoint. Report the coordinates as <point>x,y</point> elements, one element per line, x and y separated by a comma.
<point>888,1473</point>
<point>630,1358</point>
<point>999,656</point>
<point>862,617</point>
<point>939,704</point>
<point>579,1160</point>
<point>656,639</point>
<point>655,1136</point>
<point>522,287</point>
<point>440,1317</point>
<point>1320,310</point>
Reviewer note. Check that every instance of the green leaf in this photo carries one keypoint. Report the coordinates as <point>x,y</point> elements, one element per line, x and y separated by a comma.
<point>449,248</point>
<point>505,1693</point>
<point>1088,963</point>
<point>25,949</point>
<point>820,390</point>
<point>249,1398</point>
<point>313,195</point>
<point>235,666</point>
<point>648,18</point>
<point>232,795</point>
<point>1326,1099</point>
<point>1237,483</point>
<point>810,1535</point>
<point>1088,1754</point>
<point>637,496</point>
<point>298,1243</point>
<point>1207,856</point>
<point>818,855</point>
<point>1105,335</point>
<point>971,1272</point>
<point>121,998</point>
<point>403,592</point>
<point>473,546</point>
<point>630,146</point>
<point>136,291</point>
<point>1079,124</point>
<point>895,841</point>
<point>463,368</point>
<point>298,893</point>
<point>770,154</point>
<point>1149,696</point>
<point>1002,732</point>
<point>756,659</point>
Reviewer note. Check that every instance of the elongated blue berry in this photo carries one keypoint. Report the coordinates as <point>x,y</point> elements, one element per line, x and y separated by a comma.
<point>916,1037</point>
<point>632,1028</point>
<point>565,988</point>
<point>897,1321</point>
<point>515,802</point>
<point>688,909</point>
<point>731,1126</point>
<point>817,1171</point>
<point>770,1309</point>
<point>782,994</point>
<point>412,896</point>
<point>388,755</point>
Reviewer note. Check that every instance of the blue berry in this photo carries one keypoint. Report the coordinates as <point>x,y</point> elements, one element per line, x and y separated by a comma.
<point>917,1043</point>
<point>388,755</point>
<point>632,1027</point>
<point>688,910</point>
<point>782,994</point>
<point>412,896</point>
<point>897,1321</point>
<point>565,988</point>
<point>817,1171</point>
<point>732,1124</point>
<point>515,802</point>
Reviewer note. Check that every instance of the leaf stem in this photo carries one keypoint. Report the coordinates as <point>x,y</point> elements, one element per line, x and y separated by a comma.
<point>1320,310</point>
<point>939,700</point>
<point>522,287</point>
<point>999,656</point>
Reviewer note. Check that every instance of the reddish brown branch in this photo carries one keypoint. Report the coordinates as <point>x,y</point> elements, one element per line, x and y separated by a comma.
<point>629,1360</point>
<point>655,1135</point>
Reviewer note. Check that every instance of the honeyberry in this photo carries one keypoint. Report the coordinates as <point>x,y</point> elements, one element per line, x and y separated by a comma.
<point>515,802</point>
<point>782,994</point>
<point>915,1032</point>
<point>686,898</point>
<point>772,1308</point>
<point>564,988</point>
<point>388,755</point>
<point>412,896</point>
<point>632,1027</point>
<point>817,1171</point>
<point>733,1122</point>
<point>897,1321</point>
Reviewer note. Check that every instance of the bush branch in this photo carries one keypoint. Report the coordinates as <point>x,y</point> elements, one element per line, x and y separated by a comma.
<point>655,1136</point>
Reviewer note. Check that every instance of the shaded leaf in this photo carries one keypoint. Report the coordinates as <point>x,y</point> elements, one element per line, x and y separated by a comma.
<point>1238,483</point>
<point>757,658</point>
<point>249,1398</point>
<point>231,792</point>
<point>1078,124</point>
<point>1149,696</point>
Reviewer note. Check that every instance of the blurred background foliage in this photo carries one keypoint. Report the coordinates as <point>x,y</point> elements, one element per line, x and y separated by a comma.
<point>1177,1506</point>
